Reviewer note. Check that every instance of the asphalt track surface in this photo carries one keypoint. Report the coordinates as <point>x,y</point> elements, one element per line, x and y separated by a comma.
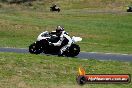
<point>82,55</point>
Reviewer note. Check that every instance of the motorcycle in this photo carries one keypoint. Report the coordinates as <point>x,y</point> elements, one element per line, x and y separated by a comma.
<point>129,9</point>
<point>54,9</point>
<point>42,45</point>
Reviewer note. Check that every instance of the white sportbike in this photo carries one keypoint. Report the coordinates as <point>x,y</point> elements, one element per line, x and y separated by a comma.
<point>42,45</point>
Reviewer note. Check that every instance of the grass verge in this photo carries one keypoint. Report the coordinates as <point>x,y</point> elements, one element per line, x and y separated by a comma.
<point>101,32</point>
<point>39,71</point>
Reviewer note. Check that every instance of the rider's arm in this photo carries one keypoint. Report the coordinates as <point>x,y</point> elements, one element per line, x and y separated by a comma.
<point>59,42</point>
<point>61,39</point>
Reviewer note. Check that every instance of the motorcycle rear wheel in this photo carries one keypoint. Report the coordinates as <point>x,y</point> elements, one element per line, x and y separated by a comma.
<point>34,49</point>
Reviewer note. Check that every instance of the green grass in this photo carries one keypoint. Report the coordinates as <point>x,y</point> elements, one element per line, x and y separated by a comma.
<point>39,71</point>
<point>101,32</point>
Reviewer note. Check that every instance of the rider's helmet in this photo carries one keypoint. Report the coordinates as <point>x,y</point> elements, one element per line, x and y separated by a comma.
<point>59,30</point>
<point>54,5</point>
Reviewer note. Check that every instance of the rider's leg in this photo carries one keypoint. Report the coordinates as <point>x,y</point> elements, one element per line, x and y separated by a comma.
<point>63,49</point>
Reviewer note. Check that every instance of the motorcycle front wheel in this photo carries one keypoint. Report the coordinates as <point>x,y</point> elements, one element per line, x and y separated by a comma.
<point>73,50</point>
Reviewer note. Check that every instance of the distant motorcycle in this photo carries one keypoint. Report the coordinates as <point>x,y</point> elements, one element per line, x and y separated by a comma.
<point>42,45</point>
<point>129,9</point>
<point>54,9</point>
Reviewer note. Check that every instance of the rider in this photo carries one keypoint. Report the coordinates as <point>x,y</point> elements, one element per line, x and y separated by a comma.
<point>64,40</point>
<point>54,6</point>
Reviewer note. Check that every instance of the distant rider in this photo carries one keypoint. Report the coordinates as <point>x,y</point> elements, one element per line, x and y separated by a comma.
<point>64,39</point>
<point>54,6</point>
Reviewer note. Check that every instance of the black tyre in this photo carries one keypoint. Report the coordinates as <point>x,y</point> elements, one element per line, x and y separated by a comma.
<point>73,50</point>
<point>129,10</point>
<point>58,10</point>
<point>44,46</point>
<point>35,49</point>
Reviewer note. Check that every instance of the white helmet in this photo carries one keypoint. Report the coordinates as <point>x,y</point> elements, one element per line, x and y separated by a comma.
<point>59,27</point>
<point>59,30</point>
